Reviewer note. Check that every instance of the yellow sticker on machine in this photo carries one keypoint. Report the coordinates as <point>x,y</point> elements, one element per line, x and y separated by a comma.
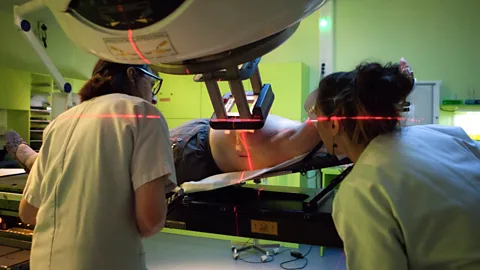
<point>176,225</point>
<point>150,46</point>
<point>264,227</point>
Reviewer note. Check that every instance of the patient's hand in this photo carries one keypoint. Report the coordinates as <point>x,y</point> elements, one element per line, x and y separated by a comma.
<point>405,68</point>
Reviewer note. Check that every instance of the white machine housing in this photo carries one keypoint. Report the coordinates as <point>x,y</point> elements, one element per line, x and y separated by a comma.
<point>197,28</point>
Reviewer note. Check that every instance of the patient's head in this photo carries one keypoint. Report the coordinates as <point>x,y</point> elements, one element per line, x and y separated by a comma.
<point>355,107</point>
<point>109,78</point>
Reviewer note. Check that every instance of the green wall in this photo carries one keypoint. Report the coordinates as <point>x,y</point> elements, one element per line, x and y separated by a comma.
<point>303,47</point>
<point>15,99</point>
<point>439,38</point>
<point>15,86</point>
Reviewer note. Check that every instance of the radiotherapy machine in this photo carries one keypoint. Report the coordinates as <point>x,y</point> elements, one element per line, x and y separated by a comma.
<point>212,39</point>
<point>215,40</point>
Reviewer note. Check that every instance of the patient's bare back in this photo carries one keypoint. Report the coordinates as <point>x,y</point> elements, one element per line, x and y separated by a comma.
<point>250,150</point>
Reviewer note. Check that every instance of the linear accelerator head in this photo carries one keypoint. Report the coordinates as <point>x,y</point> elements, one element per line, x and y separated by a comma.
<point>173,31</point>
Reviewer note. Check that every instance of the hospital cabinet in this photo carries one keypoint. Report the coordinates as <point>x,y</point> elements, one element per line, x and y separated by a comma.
<point>26,102</point>
<point>41,88</point>
<point>424,103</point>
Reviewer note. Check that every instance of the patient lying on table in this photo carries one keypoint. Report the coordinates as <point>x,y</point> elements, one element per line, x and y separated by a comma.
<point>200,151</point>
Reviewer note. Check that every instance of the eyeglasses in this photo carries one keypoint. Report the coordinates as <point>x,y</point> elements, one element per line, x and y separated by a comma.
<point>157,85</point>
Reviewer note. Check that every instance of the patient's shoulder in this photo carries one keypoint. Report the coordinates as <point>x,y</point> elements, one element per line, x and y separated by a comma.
<point>279,122</point>
<point>275,125</point>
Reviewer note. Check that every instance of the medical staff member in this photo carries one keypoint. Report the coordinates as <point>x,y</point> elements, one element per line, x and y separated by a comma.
<point>96,188</point>
<point>412,199</point>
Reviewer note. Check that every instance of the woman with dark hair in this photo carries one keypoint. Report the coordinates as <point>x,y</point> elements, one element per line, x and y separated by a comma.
<point>411,199</point>
<point>92,192</point>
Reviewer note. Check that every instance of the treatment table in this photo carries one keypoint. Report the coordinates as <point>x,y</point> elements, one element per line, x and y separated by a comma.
<point>246,209</point>
<point>249,209</point>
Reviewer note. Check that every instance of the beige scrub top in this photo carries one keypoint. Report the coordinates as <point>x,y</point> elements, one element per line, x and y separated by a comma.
<point>412,201</point>
<point>94,156</point>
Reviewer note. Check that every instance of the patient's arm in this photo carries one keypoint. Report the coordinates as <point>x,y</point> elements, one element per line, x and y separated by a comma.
<point>299,140</point>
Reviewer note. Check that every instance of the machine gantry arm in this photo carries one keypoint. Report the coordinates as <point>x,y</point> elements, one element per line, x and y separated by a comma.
<point>25,26</point>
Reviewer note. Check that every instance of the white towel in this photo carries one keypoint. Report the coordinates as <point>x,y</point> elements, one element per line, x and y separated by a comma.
<point>232,178</point>
<point>7,172</point>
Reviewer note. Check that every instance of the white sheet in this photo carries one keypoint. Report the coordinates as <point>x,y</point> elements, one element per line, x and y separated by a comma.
<point>7,172</point>
<point>232,178</point>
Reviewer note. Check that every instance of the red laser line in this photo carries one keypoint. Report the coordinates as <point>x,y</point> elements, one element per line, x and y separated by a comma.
<point>135,48</point>
<point>339,260</point>
<point>258,194</point>
<point>149,116</point>
<point>236,219</point>
<point>249,158</point>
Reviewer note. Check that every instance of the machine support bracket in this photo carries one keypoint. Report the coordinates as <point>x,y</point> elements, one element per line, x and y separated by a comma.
<point>253,106</point>
<point>256,82</point>
<point>240,98</point>
<point>216,98</point>
<point>313,204</point>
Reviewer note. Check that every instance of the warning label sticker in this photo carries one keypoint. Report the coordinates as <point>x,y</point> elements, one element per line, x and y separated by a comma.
<point>150,46</point>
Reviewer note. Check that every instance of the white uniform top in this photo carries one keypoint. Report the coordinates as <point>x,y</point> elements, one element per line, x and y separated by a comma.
<point>412,201</point>
<point>94,156</point>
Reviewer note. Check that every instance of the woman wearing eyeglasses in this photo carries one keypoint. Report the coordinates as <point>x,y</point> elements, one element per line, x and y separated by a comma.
<point>93,190</point>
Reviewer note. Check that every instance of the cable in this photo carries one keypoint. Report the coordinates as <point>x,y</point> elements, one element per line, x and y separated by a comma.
<point>298,256</point>
<point>270,258</point>
<point>283,251</point>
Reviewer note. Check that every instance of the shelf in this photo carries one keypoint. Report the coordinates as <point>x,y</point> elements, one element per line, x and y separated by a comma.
<point>460,108</point>
<point>41,84</point>
<point>39,121</point>
<point>41,111</point>
<point>35,92</point>
<point>40,115</point>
